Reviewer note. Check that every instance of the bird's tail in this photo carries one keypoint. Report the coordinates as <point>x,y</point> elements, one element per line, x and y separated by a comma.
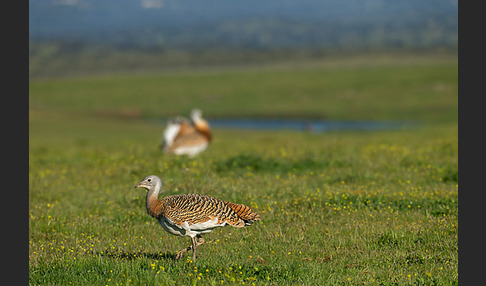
<point>244,213</point>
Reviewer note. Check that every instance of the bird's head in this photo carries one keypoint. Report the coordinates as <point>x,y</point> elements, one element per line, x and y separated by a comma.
<point>151,182</point>
<point>196,114</point>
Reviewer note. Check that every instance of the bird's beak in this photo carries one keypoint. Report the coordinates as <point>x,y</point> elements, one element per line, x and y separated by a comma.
<point>140,185</point>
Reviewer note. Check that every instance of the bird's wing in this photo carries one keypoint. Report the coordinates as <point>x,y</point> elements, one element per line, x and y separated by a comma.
<point>170,133</point>
<point>176,127</point>
<point>198,210</point>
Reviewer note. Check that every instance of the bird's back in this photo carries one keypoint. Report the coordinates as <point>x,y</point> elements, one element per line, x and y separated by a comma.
<point>197,209</point>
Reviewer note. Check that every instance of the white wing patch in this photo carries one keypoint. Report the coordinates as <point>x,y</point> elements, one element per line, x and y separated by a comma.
<point>170,133</point>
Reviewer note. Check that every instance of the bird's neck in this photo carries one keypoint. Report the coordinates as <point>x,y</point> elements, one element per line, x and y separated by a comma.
<point>154,207</point>
<point>203,127</point>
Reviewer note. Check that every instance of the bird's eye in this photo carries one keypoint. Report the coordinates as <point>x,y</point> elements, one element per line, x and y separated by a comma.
<point>149,180</point>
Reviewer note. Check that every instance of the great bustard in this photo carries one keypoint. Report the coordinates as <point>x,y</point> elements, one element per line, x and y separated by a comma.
<point>193,214</point>
<point>186,137</point>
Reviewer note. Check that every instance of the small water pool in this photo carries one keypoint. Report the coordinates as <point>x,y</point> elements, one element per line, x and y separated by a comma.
<point>307,125</point>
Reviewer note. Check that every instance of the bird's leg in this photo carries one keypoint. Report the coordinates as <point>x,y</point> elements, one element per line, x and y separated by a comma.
<point>195,244</point>
<point>199,242</point>
<point>194,247</point>
<point>180,253</point>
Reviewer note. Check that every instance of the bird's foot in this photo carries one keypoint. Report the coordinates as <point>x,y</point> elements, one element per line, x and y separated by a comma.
<point>200,240</point>
<point>181,253</point>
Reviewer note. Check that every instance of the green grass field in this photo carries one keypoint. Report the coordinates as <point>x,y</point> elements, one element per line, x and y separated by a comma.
<point>337,208</point>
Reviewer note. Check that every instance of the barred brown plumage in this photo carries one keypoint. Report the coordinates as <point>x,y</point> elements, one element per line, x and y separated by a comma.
<point>193,214</point>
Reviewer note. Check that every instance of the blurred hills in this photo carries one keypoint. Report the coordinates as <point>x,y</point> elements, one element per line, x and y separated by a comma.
<point>247,24</point>
<point>161,26</point>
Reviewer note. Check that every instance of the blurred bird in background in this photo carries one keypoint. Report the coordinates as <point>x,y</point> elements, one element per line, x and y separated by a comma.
<point>184,136</point>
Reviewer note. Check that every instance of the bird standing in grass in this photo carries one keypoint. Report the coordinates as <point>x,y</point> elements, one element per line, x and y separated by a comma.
<point>186,137</point>
<point>193,214</point>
